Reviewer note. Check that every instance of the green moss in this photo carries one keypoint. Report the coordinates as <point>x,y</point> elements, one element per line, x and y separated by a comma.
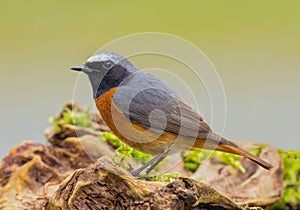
<point>111,138</point>
<point>291,178</point>
<point>165,177</point>
<point>194,158</point>
<point>123,149</point>
<point>258,150</point>
<point>72,117</point>
<point>231,159</point>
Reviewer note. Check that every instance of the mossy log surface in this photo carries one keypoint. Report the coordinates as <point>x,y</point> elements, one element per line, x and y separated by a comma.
<point>60,175</point>
<point>103,185</point>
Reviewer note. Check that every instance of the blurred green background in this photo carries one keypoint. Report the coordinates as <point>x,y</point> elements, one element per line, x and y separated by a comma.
<point>254,45</point>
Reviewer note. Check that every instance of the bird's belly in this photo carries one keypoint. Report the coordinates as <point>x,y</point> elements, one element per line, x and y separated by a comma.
<point>136,136</point>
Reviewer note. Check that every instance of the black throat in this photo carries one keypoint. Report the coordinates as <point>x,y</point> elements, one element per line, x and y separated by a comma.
<point>111,79</point>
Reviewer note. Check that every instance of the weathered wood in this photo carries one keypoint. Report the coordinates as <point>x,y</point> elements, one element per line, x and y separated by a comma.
<point>255,187</point>
<point>62,176</point>
<point>103,185</point>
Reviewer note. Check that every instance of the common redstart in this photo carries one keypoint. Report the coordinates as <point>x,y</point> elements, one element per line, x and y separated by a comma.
<point>147,114</point>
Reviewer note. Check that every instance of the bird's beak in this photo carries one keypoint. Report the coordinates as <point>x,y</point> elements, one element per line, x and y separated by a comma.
<point>77,68</point>
<point>82,68</point>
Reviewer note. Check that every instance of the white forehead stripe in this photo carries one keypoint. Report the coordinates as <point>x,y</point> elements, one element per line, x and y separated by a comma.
<point>101,57</point>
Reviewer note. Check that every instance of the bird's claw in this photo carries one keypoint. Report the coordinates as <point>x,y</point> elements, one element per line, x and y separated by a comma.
<point>138,175</point>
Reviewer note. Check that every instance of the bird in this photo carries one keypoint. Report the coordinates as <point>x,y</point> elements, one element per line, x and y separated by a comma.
<point>149,115</point>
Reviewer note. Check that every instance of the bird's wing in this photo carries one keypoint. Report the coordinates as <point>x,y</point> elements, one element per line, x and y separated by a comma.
<point>153,104</point>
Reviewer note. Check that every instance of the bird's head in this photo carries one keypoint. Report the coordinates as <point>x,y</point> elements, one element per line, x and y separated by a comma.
<point>105,71</point>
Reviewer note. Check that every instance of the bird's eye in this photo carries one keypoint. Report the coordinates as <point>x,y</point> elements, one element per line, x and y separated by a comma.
<point>108,64</point>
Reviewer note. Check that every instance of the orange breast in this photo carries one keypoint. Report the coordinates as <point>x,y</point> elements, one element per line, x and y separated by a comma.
<point>136,136</point>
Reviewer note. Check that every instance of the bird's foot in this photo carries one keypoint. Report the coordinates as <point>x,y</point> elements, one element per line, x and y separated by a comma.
<point>149,166</point>
<point>138,175</point>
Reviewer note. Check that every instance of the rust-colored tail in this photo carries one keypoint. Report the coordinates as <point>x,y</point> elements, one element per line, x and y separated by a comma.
<point>234,149</point>
<point>219,143</point>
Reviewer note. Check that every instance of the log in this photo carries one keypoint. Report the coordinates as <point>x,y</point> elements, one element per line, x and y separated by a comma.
<point>104,185</point>
<point>61,175</point>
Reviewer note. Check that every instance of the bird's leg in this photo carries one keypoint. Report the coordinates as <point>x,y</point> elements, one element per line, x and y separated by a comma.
<point>163,156</point>
<point>152,163</point>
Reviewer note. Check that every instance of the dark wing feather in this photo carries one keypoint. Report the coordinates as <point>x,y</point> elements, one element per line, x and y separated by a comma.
<point>152,104</point>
